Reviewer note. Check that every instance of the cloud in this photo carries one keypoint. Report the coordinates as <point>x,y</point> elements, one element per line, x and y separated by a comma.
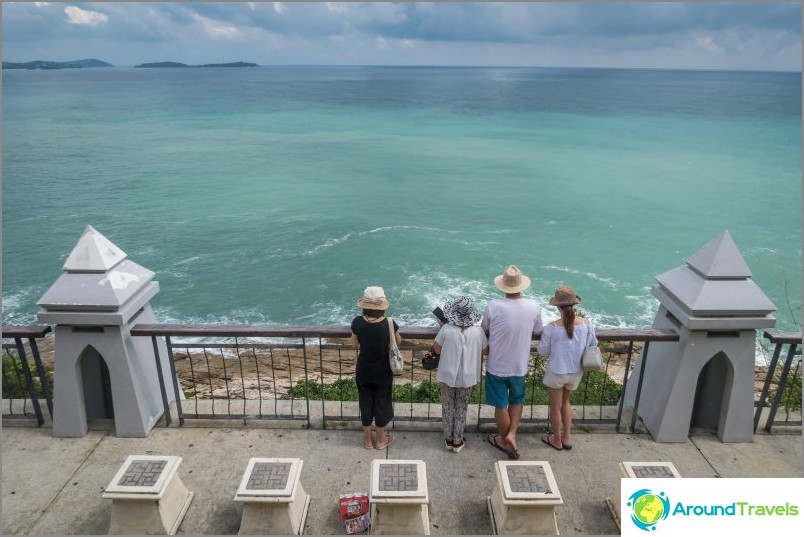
<point>216,29</point>
<point>81,17</point>
<point>41,4</point>
<point>279,7</point>
<point>381,42</point>
<point>336,7</point>
<point>707,43</point>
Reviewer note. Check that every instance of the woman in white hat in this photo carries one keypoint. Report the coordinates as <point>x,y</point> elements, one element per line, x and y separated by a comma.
<point>461,343</point>
<point>563,341</point>
<point>375,380</point>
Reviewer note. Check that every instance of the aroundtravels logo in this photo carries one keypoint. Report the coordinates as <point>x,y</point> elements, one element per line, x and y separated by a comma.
<point>648,508</point>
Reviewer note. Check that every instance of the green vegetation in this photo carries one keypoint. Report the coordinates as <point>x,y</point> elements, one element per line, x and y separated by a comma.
<point>595,389</point>
<point>791,396</point>
<point>14,386</point>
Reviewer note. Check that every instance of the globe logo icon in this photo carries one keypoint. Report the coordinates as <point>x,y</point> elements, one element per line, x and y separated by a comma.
<point>648,508</point>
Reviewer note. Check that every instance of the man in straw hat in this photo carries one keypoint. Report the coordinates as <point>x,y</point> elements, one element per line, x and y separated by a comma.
<point>510,323</point>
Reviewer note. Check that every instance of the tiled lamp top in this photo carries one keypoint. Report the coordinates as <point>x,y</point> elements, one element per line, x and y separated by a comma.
<point>398,478</point>
<point>650,470</point>
<point>143,474</point>
<point>528,480</point>
<point>270,477</point>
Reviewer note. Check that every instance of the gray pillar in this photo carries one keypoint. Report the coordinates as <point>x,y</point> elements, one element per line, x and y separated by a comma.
<point>705,379</point>
<point>100,370</point>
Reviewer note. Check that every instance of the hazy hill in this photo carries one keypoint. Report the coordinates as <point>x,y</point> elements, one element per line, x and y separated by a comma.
<point>45,64</point>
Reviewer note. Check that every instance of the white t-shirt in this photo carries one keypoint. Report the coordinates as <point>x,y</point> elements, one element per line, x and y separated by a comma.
<point>565,354</point>
<point>511,322</point>
<point>459,366</point>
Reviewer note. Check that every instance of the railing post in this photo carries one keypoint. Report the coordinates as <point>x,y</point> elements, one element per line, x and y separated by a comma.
<point>639,385</point>
<point>40,368</point>
<point>766,385</point>
<point>26,371</point>
<point>791,352</point>
<point>307,381</point>
<point>161,381</point>
<point>176,379</point>
<point>625,380</point>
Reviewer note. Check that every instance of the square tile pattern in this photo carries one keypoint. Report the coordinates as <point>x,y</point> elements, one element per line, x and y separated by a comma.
<point>528,479</point>
<point>269,476</point>
<point>142,473</point>
<point>650,472</point>
<point>398,477</point>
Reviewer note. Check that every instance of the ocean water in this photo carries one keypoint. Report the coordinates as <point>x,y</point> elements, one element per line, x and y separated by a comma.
<point>276,194</point>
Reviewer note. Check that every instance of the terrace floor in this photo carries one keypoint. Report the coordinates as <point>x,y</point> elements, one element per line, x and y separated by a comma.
<point>54,485</point>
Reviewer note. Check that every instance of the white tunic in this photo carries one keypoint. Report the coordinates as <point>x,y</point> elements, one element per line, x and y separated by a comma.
<point>459,366</point>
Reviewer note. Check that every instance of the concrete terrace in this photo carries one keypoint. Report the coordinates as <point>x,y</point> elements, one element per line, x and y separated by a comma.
<point>54,485</point>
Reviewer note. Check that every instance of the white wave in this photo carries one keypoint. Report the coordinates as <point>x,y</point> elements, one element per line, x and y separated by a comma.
<point>329,243</point>
<point>188,260</point>
<point>609,282</point>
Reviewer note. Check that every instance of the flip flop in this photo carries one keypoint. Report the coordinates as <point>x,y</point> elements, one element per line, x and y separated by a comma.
<point>567,447</point>
<point>546,439</point>
<point>390,441</point>
<point>492,439</point>
<point>368,446</point>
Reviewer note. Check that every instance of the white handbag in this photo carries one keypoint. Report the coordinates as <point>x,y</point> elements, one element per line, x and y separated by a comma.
<point>592,359</point>
<point>394,354</point>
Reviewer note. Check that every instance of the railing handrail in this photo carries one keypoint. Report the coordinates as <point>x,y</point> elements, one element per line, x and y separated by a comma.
<point>29,331</point>
<point>783,337</point>
<point>407,332</point>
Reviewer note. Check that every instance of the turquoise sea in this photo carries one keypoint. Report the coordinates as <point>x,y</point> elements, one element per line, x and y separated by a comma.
<point>276,194</point>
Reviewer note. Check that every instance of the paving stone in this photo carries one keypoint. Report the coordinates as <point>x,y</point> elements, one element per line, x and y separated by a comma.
<point>142,473</point>
<point>269,476</point>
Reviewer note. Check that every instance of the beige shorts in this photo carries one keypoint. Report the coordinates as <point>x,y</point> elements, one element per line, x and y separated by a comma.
<point>569,381</point>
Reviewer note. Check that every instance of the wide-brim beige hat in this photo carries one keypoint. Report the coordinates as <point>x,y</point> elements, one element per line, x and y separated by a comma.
<point>512,280</point>
<point>373,299</point>
<point>565,296</point>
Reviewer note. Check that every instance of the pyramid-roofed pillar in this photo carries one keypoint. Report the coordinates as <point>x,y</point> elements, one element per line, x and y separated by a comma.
<point>101,371</point>
<point>706,379</point>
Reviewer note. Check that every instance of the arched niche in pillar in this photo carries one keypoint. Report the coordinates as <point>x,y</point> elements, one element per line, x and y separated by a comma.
<point>96,383</point>
<point>712,393</point>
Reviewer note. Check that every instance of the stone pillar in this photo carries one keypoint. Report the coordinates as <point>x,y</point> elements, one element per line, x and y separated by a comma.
<point>706,379</point>
<point>101,371</point>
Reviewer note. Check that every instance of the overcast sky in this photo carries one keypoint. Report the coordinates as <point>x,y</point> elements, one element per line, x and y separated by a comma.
<point>760,35</point>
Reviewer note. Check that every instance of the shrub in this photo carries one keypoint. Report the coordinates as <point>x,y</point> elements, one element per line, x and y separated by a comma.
<point>14,386</point>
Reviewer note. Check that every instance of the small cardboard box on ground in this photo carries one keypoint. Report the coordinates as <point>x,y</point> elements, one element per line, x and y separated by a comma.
<point>354,511</point>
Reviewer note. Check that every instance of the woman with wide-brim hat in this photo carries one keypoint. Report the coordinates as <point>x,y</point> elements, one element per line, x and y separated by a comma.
<point>563,342</point>
<point>375,380</point>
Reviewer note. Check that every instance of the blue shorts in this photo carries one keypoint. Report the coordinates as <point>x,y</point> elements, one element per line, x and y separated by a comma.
<point>504,391</point>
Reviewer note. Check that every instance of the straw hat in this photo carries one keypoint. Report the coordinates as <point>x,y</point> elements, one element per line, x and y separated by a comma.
<point>512,281</point>
<point>565,296</point>
<point>461,311</point>
<point>373,299</point>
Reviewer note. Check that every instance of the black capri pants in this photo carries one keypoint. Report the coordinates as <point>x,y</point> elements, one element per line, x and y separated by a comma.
<point>375,403</point>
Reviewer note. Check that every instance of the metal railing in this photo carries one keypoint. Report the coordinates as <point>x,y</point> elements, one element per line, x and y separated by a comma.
<point>19,378</point>
<point>785,387</point>
<point>241,379</point>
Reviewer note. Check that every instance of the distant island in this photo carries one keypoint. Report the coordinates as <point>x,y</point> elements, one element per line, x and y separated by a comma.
<point>42,64</point>
<point>177,64</point>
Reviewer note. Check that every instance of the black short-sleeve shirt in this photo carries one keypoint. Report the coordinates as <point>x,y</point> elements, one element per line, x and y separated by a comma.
<point>372,360</point>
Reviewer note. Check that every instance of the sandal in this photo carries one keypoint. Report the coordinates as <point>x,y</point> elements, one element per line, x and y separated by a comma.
<point>368,446</point>
<point>493,440</point>
<point>547,439</point>
<point>390,441</point>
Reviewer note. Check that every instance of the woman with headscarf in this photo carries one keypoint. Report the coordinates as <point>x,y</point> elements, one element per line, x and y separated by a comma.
<point>461,344</point>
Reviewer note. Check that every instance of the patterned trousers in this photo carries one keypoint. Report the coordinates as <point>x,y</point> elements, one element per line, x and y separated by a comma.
<point>454,402</point>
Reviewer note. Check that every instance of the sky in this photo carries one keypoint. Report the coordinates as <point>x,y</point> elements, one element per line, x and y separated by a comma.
<point>663,35</point>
